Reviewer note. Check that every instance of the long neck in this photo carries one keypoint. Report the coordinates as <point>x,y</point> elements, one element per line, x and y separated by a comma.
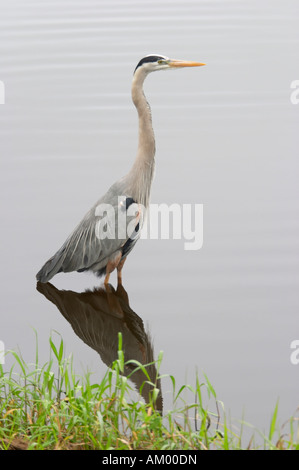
<point>142,172</point>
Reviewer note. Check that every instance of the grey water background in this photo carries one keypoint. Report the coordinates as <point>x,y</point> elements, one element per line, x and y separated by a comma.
<point>227,138</point>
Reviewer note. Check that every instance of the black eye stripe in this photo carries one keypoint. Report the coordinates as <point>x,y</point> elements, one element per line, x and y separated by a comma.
<point>150,58</point>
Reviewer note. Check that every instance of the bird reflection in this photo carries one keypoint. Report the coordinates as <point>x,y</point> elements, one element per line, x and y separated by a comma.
<point>97,317</point>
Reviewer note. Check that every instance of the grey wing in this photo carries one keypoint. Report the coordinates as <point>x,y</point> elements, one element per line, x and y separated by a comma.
<point>105,230</point>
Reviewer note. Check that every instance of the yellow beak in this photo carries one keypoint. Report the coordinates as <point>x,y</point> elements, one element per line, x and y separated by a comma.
<point>183,63</point>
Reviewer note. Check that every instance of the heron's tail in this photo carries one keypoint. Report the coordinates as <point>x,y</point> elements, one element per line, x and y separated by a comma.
<point>51,267</point>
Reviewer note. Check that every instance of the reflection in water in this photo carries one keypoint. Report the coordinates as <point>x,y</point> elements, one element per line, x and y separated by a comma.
<point>97,317</point>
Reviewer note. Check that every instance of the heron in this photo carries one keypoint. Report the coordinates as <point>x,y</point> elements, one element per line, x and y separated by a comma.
<point>93,245</point>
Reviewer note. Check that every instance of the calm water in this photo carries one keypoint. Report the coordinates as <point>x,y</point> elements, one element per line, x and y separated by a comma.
<point>227,138</point>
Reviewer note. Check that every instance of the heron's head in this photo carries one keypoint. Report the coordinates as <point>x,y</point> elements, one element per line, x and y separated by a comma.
<point>153,62</point>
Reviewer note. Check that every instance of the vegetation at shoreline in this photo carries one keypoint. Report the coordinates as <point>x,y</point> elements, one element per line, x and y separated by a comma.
<point>50,407</point>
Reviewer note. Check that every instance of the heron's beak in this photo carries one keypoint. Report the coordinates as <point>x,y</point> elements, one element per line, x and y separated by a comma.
<point>183,63</point>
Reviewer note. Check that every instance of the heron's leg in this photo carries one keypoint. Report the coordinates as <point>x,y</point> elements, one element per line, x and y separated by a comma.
<point>106,281</point>
<point>111,265</point>
<point>119,270</point>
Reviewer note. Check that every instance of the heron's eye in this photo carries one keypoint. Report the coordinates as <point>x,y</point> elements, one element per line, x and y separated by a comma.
<point>161,61</point>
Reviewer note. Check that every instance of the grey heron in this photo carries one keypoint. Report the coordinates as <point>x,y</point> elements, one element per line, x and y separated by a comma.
<point>92,246</point>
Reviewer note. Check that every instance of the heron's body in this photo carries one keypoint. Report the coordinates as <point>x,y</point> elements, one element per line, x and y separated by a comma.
<point>85,250</point>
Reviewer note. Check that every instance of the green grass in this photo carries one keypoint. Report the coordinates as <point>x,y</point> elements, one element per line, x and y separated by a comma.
<point>50,407</point>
